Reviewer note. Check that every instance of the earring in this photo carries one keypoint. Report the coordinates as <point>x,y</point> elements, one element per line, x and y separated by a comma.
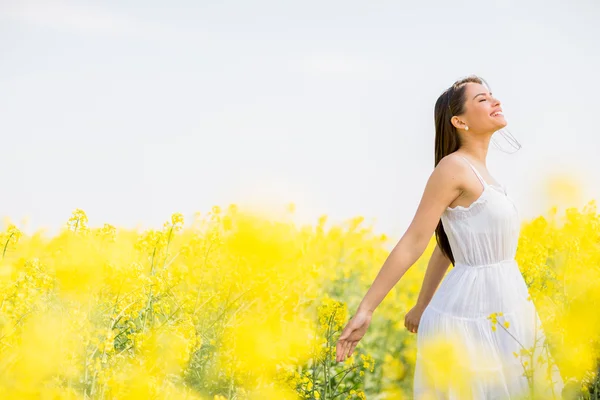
<point>466,128</point>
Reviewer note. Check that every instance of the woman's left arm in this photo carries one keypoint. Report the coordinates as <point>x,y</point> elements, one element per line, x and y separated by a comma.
<point>436,269</point>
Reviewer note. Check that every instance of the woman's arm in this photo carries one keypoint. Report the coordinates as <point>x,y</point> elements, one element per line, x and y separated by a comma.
<point>443,186</point>
<point>436,269</point>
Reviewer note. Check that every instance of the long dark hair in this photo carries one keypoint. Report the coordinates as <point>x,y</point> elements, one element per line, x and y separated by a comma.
<point>447,140</point>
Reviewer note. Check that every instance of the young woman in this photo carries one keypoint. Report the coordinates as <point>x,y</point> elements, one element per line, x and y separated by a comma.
<point>477,228</point>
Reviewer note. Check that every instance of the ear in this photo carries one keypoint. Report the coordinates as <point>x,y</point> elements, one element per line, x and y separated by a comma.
<point>457,122</point>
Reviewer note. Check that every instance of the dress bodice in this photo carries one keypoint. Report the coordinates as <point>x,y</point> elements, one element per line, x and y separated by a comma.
<point>485,232</point>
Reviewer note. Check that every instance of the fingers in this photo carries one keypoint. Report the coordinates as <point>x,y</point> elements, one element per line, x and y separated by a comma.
<point>352,347</point>
<point>411,327</point>
<point>347,346</point>
<point>343,346</point>
<point>344,349</point>
<point>339,350</point>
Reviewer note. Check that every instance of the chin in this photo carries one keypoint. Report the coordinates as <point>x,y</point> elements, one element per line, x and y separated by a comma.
<point>501,125</point>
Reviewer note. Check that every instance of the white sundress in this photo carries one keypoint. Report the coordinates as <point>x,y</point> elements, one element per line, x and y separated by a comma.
<point>485,279</point>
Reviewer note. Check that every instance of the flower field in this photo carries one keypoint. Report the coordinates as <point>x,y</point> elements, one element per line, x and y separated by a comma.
<point>236,305</point>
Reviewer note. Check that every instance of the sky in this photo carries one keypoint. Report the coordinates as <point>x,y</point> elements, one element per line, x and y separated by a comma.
<point>135,110</point>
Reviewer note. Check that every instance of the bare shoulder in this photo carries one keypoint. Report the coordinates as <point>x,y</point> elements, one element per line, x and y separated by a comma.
<point>442,188</point>
<point>450,169</point>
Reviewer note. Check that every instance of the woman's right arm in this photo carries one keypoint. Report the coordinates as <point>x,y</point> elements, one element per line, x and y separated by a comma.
<point>443,186</point>
<point>440,191</point>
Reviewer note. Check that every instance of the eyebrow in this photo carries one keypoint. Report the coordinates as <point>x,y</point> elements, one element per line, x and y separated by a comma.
<point>479,94</point>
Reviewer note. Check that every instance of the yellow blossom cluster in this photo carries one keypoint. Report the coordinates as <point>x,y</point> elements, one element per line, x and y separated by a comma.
<point>236,305</point>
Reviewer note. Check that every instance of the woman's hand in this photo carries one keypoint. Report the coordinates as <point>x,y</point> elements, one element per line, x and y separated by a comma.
<point>412,318</point>
<point>351,335</point>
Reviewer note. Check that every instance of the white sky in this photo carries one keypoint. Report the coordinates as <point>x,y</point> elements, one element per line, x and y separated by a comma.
<point>135,110</point>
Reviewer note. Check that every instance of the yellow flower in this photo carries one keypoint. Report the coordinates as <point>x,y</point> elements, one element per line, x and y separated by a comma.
<point>177,221</point>
<point>245,300</point>
<point>78,222</point>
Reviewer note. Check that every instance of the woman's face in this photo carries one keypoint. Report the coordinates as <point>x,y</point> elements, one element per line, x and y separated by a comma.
<point>483,112</point>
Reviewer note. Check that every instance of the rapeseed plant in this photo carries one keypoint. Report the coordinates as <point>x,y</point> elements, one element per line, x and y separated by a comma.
<point>240,305</point>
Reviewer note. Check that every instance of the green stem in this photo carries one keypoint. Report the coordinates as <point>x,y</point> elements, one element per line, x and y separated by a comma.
<point>346,372</point>
<point>6,244</point>
<point>167,248</point>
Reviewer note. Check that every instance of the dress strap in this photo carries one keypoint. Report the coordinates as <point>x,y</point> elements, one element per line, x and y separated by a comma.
<point>483,182</point>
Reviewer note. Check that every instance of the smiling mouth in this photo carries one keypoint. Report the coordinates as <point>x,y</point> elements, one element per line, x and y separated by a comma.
<point>496,114</point>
